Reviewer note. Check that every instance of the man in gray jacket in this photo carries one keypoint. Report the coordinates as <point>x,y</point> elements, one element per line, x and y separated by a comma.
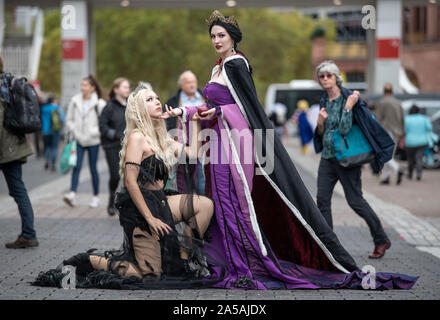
<point>13,153</point>
<point>389,114</point>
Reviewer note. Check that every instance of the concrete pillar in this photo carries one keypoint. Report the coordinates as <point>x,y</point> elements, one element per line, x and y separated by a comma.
<point>2,22</point>
<point>371,48</point>
<point>432,24</point>
<point>74,36</point>
<point>388,37</point>
<point>91,40</point>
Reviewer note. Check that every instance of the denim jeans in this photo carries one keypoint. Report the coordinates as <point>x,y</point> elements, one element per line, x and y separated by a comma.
<point>13,175</point>
<point>200,179</point>
<point>51,147</point>
<point>93,159</point>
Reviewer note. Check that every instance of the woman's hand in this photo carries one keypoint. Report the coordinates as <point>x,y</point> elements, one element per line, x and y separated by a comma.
<point>171,113</point>
<point>160,227</point>
<point>352,100</point>
<point>207,115</point>
<point>323,115</point>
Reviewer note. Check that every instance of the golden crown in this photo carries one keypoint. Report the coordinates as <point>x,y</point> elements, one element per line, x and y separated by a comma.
<point>216,15</point>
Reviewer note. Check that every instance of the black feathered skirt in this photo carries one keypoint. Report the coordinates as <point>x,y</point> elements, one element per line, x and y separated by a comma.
<point>145,259</point>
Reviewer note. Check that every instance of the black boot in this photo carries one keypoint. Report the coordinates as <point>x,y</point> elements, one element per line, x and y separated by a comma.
<point>111,209</point>
<point>82,263</point>
<point>399,177</point>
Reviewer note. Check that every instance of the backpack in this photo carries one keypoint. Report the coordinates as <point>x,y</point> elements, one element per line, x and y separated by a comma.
<point>55,120</point>
<point>22,114</point>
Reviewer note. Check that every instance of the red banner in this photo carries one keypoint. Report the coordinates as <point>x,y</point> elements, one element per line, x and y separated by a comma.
<point>73,49</point>
<point>387,48</point>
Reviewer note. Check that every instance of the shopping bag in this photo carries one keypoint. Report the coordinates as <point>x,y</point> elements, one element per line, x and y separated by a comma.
<point>352,149</point>
<point>68,157</point>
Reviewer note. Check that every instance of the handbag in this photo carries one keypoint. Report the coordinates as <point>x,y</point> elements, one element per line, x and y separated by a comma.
<point>352,149</point>
<point>68,157</point>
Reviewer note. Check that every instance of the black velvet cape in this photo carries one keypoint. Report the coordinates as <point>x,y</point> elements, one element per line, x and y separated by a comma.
<point>286,212</point>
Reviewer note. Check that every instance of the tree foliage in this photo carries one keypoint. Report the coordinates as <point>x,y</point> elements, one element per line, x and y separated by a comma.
<point>157,45</point>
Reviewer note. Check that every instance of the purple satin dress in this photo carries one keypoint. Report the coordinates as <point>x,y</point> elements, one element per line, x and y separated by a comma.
<point>234,238</point>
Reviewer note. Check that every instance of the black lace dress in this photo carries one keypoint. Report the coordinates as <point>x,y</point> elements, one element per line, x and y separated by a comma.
<point>156,260</point>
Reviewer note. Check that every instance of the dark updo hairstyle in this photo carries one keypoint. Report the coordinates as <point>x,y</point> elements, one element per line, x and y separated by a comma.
<point>233,31</point>
<point>414,109</point>
<point>93,82</point>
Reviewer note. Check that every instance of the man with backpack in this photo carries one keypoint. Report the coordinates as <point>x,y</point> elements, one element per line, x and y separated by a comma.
<point>14,150</point>
<point>52,121</point>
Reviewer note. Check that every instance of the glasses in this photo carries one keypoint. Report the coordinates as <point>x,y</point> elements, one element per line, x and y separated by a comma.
<point>326,75</point>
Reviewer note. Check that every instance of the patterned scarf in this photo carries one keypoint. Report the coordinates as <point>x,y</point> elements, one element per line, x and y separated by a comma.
<point>4,87</point>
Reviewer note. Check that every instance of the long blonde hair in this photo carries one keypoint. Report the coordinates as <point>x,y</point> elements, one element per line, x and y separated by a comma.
<point>138,119</point>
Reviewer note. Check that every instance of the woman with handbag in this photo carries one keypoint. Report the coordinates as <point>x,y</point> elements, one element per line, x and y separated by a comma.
<point>418,137</point>
<point>82,122</point>
<point>336,115</point>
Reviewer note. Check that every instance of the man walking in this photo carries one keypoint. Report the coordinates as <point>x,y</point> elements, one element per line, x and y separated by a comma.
<point>389,114</point>
<point>13,153</point>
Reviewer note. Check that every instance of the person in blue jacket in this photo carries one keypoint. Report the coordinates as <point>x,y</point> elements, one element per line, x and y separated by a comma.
<point>417,134</point>
<point>340,108</point>
<point>52,121</point>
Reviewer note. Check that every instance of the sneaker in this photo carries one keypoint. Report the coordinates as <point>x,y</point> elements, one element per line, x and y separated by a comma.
<point>94,203</point>
<point>69,198</point>
<point>22,243</point>
<point>385,182</point>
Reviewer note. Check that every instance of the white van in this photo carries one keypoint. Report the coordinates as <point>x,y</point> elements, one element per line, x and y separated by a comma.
<point>290,93</point>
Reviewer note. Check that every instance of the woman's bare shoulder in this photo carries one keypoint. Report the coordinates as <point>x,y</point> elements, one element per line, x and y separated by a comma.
<point>137,140</point>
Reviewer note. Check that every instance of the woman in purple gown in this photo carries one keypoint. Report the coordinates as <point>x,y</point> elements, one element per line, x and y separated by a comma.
<point>266,224</point>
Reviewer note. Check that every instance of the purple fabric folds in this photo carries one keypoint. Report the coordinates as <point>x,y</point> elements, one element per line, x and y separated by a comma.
<point>233,233</point>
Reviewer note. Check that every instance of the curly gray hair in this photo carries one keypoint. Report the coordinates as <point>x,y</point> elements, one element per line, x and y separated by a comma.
<point>331,67</point>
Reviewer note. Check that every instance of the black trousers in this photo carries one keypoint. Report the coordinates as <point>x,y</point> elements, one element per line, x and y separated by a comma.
<point>415,160</point>
<point>112,157</point>
<point>329,173</point>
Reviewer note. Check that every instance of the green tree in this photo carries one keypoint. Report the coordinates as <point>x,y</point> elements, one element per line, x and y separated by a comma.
<point>49,72</point>
<point>157,45</point>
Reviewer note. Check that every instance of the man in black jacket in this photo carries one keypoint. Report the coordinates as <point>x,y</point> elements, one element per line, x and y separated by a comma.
<point>187,96</point>
<point>112,126</point>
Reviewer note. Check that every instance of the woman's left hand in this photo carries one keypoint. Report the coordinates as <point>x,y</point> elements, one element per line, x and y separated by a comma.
<point>207,115</point>
<point>171,113</point>
<point>352,100</point>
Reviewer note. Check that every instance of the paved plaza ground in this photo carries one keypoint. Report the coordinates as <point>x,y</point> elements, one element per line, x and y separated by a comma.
<point>63,231</point>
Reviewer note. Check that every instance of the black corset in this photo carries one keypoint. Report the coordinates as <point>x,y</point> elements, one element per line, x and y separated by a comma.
<point>154,168</point>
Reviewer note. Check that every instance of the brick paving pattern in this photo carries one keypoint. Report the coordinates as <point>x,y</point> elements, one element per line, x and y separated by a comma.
<point>63,231</point>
